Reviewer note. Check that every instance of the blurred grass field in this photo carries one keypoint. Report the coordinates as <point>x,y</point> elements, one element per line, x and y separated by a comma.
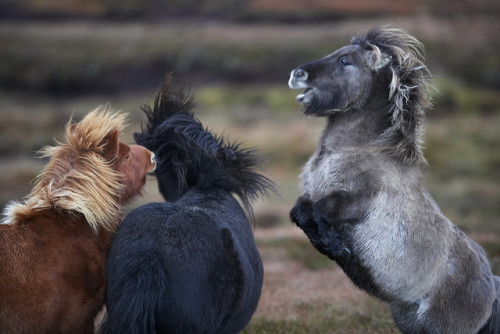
<point>238,73</point>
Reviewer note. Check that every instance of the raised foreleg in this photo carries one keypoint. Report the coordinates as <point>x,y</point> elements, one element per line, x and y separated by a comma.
<point>335,216</point>
<point>320,232</point>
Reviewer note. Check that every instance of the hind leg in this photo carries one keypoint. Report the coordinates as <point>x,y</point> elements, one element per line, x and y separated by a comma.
<point>493,324</point>
<point>440,315</point>
<point>463,302</point>
<point>406,317</point>
<point>421,318</point>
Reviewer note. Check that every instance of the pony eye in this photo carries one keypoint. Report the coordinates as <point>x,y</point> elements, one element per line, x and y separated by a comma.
<point>345,62</point>
<point>126,158</point>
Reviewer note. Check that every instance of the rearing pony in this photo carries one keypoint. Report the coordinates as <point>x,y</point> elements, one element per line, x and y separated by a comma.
<point>363,202</point>
<point>54,244</point>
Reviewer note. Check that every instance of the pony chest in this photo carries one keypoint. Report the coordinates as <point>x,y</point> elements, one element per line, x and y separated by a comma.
<point>323,173</point>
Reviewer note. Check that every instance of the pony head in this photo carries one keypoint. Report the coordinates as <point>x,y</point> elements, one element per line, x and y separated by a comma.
<point>383,68</point>
<point>92,173</point>
<point>190,156</point>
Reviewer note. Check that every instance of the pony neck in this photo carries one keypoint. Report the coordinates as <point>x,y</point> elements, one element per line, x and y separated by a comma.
<point>357,128</point>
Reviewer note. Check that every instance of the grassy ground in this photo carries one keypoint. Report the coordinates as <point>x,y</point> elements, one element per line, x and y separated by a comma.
<point>303,291</point>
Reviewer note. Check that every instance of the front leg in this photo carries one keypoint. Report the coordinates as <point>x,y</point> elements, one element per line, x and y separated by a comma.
<point>338,206</point>
<point>301,215</point>
<point>325,214</point>
<point>323,238</point>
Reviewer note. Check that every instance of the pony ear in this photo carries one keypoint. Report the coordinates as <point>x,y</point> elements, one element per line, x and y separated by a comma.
<point>111,145</point>
<point>377,60</point>
<point>123,150</point>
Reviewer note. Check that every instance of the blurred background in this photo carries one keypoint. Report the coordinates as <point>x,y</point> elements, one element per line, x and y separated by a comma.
<point>62,58</point>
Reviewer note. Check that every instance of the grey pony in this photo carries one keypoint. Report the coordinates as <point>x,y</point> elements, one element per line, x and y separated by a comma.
<point>363,202</point>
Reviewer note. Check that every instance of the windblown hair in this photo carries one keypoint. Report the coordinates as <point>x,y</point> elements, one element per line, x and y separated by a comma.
<point>77,177</point>
<point>191,156</point>
<point>409,88</point>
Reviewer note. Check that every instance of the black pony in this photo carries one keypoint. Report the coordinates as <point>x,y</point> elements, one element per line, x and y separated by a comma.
<point>188,265</point>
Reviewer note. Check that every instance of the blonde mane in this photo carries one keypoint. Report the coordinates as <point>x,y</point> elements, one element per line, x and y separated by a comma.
<point>77,177</point>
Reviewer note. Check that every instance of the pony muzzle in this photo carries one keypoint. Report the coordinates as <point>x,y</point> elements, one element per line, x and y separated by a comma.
<point>154,163</point>
<point>298,79</point>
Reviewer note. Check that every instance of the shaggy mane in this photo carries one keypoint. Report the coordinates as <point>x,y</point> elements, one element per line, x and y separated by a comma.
<point>77,177</point>
<point>192,155</point>
<point>409,89</point>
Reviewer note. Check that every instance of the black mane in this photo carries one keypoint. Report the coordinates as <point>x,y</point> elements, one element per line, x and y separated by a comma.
<point>190,156</point>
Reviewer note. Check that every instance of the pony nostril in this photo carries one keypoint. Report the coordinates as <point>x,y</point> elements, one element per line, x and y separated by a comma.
<point>298,79</point>
<point>300,74</point>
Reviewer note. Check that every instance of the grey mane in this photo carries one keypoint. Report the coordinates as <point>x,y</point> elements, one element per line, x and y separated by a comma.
<point>409,90</point>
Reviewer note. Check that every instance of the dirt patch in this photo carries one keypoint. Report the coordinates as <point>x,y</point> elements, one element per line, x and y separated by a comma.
<point>291,290</point>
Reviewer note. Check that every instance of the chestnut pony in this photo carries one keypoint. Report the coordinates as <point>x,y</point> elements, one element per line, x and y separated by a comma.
<point>54,244</point>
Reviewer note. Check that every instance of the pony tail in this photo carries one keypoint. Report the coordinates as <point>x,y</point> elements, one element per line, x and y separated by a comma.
<point>133,309</point>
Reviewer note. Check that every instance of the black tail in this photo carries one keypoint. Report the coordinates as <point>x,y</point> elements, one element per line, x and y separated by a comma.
<point>190,156</point>
<point>132,308</point>
<point>493,324</point>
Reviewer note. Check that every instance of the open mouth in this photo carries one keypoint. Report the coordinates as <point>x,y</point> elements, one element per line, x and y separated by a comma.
<point>305,96</point>
<point>298,81</point>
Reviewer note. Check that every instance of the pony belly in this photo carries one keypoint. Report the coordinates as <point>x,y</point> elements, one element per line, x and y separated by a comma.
<point>393,277</point>
<point>383,244</point>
